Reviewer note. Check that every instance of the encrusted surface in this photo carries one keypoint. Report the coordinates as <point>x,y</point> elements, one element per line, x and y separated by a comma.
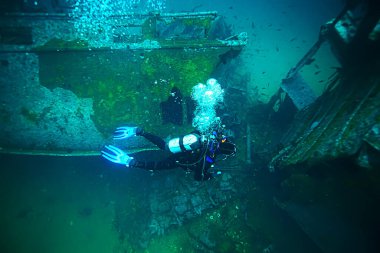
<point>35,117</point>
<point>74,92</point>
<point>335,125</point>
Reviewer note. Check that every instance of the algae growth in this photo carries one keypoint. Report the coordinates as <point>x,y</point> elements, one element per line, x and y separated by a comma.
<point>128,86</point>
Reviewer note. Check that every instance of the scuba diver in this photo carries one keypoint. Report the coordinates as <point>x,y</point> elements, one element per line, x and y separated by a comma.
<point>192,152</point>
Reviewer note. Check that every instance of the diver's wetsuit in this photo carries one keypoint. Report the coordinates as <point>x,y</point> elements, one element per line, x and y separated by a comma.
<point>195,160</point>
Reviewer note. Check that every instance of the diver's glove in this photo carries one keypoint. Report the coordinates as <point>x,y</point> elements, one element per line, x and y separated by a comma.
<point>124,132</point>
<point>116,155</point>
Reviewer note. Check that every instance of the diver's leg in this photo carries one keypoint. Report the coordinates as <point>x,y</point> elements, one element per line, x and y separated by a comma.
<point>166,164</point>
<point>158,141</point>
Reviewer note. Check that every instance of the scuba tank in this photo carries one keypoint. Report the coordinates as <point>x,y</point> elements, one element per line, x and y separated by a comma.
<point>184,143</point>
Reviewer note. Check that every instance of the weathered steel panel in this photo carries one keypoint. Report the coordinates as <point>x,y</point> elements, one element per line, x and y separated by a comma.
<point>64,94</point>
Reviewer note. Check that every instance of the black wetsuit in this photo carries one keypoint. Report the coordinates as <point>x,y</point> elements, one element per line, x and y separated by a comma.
<point>199,161</point>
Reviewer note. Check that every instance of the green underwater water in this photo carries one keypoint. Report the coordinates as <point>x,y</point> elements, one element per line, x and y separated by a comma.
<point>86,204</point>
<point>62,204</point>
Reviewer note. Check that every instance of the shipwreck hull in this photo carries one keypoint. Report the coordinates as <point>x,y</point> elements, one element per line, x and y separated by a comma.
<point>63,95</point>
<point>344,122</point>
